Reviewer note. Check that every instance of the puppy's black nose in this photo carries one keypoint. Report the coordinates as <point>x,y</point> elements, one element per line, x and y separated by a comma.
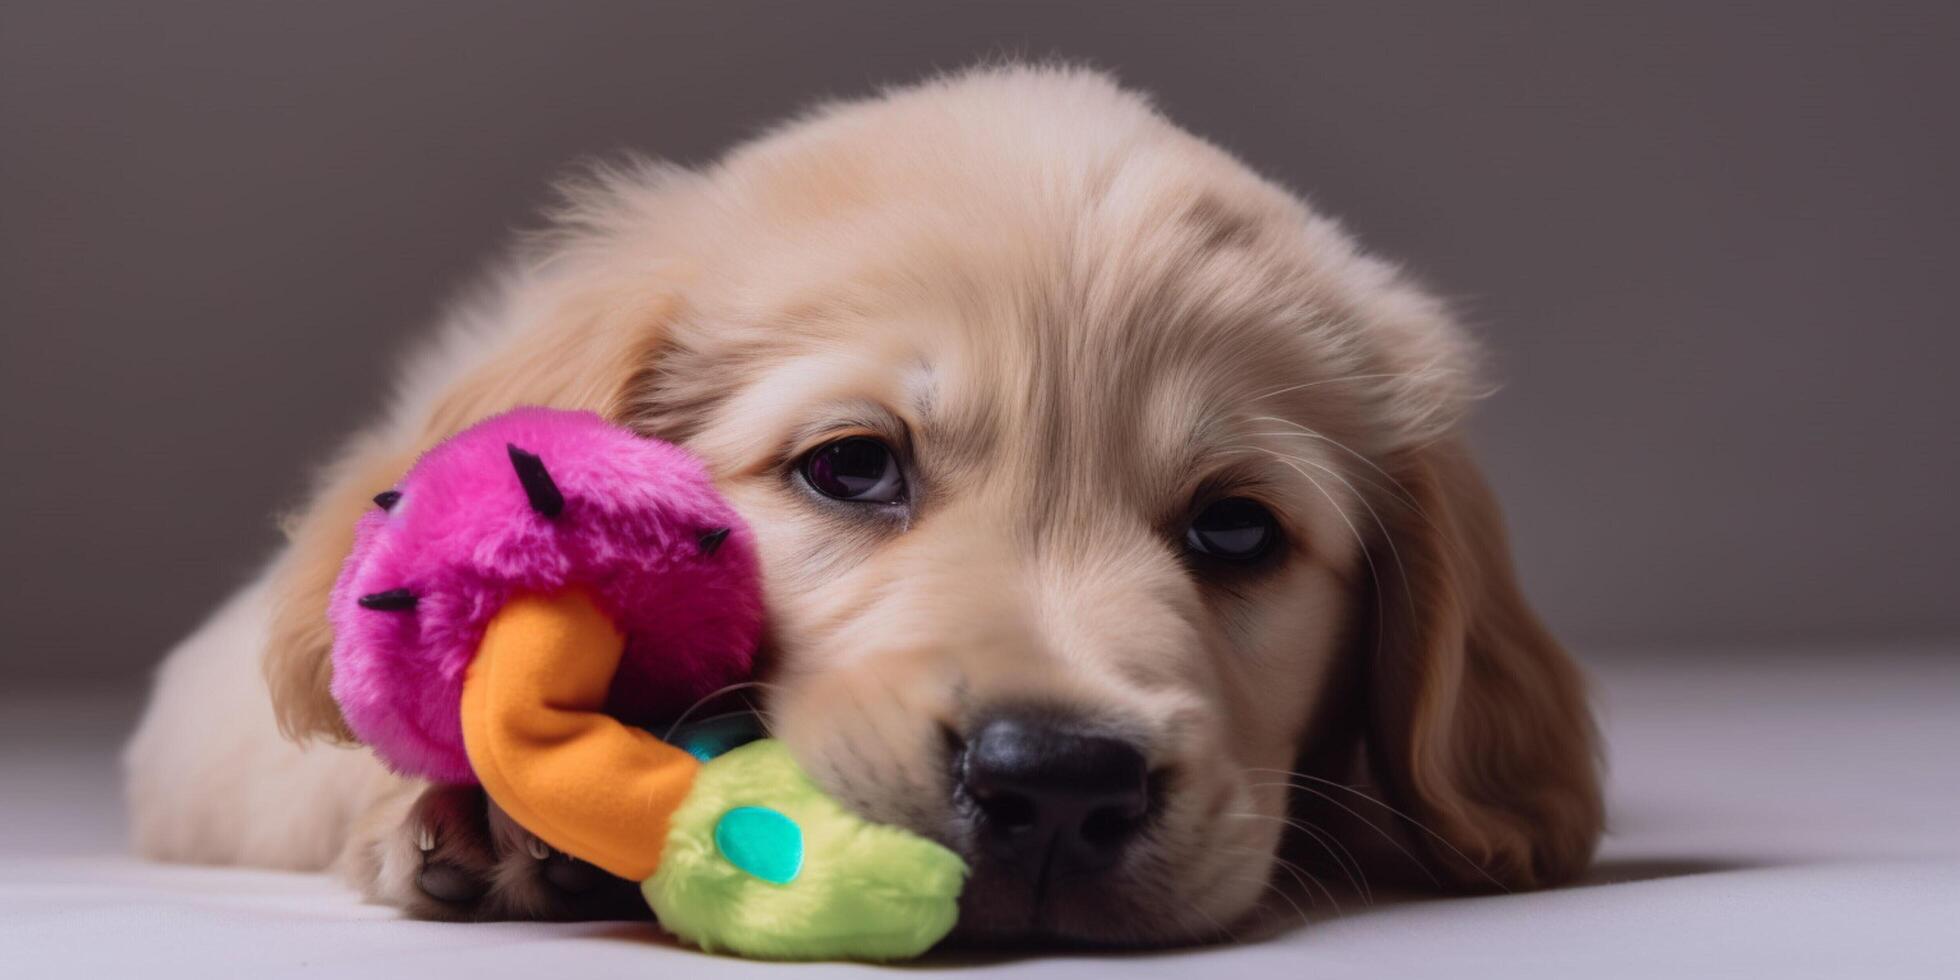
<point>1049,796</point>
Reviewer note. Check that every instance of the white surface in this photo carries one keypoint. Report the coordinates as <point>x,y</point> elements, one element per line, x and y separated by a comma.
<point>1786,816</point>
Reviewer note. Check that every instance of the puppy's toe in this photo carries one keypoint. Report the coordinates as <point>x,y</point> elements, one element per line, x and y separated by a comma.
<point>534,881</point>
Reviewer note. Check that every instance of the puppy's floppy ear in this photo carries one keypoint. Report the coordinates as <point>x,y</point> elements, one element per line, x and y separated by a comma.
<point>1478,725</point>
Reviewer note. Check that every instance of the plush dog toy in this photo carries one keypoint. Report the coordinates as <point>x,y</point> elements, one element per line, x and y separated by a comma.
<point>535,589</point>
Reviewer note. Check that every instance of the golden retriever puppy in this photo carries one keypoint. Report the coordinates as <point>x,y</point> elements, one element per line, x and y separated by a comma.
<point>1111,503</point>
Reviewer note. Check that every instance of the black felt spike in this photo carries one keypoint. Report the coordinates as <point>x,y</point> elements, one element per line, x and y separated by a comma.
<point>386,499</point>
<point>538,485</point>
<point>393,600</point>
<point>711,539</point>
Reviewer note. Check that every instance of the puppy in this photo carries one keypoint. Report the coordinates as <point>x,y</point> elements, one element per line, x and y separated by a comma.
<point>1111,505</point>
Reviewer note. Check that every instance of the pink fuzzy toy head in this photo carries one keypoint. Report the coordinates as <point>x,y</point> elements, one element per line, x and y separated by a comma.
<point>536,501</point>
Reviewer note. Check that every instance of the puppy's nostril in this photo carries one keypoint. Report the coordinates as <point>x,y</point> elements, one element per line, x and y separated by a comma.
<point>1009,811</point>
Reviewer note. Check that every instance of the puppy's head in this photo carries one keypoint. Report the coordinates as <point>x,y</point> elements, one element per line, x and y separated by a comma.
<point>1099,484</point>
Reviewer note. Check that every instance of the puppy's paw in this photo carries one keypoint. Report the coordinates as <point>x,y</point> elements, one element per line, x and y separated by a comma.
<point>456,857</point>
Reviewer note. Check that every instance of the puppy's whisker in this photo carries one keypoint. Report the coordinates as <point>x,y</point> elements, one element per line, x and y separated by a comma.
<point>1396,489</point>
<point>1303,432</point>
<point>758,714</point>
<point>1305,919</point>
<point>1266,883</point>
<point>1297,873</point>
<point>1324,837</point>
<point>1377,486</point>
<point>1412,821</point>
<point>1365,820</point>
<point>1321,836</point>
<point>1385,835</point>
<point>709,697</point>
<point>1292,869</point>
<point>1408,594</point>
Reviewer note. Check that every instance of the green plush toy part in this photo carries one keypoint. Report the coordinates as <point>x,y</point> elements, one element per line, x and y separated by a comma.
<point>762,863</point>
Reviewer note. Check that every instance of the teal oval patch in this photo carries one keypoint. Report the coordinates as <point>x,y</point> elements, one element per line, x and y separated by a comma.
<point>762,842</point>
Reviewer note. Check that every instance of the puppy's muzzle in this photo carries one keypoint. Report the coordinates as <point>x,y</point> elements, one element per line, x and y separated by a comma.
<point>1046,797</point>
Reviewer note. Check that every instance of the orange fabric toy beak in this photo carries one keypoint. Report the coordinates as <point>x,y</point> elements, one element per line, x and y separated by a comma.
<point>535,729</point>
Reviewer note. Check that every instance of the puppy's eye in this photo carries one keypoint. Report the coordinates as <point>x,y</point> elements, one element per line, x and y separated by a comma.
<point>859,469</point>
<point>1234,529</point>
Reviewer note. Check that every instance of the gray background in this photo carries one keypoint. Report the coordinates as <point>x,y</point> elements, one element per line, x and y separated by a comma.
<point>1712,250</point>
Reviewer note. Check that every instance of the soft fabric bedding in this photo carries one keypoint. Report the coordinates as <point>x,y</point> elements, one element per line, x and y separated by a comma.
<point>1773,814</point>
